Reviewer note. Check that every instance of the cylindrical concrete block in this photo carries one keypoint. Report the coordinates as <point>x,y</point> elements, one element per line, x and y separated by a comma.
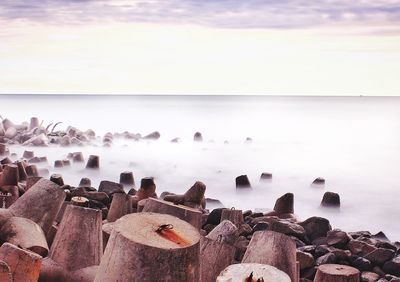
<point>151,247</point>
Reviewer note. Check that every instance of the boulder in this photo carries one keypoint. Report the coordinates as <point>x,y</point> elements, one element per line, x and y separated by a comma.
<point>380,256</point>
<point>198,137</point>
<point>242,181</point>
<point>338,238</point>
<point>306,260</point>
<point>392,266</point>
<point>284,204</point>
<point>316,227</point>
<point>110,187</point>
<point>331,200</point>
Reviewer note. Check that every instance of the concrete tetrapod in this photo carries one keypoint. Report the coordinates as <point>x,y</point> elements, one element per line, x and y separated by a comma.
<point>252,272</point>
<point>40,203</point>
<point>151,247</point>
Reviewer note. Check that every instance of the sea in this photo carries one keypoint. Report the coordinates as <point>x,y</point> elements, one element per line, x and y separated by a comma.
<point>353,142</point>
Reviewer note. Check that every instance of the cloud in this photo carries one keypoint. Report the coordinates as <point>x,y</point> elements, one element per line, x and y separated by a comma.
<point>215,13</point>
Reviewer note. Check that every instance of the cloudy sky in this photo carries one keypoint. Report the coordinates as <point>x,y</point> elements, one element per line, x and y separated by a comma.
<point>285,47</point>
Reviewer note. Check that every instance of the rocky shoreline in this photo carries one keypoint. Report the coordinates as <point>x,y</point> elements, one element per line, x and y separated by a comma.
<point>59,232</point>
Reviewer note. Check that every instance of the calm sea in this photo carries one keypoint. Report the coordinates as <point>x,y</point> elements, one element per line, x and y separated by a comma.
<point>353,142</point>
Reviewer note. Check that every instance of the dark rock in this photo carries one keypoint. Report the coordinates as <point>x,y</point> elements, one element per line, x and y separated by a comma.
<point>360,263</point>
<point>321,251</point>
<point>378,270</point>
<point>152,136</point>
<point>319,181</point>
<point>386,245</point>
<point>337,238</point>
<point>284,204</point>
<point>306,260</point>
<point>341,255</point>
<point>110,187</point>
<point>248,140</point>
<point>299,243</point>
<point>367,276</point>
<point>57,179</point>
<point>175,140</point>
<point>360,248</point>
<point>266,176</point>
<point>77,157</point>
<point>392,278</point>
<point>380,256</point>
<point>316,227</point>
<point>287,228</point>
<point>132,192</point>
<point>380,236</point>
<point>320,241</point>
<point>308,273</point>
<point>208,227</point>
<point>198,137</point>
<point>247,213</point>
<point>241,246</point>
<point>260,226</point>
<point>215,216</point>
<point>331,200</point>
<point>256,214</point>
<point>28,154</point>
<point>308,249</point>
<point>356,235</point>
<point>392,266</point>
<point>242,181</point>
<point>326,259</point>
<point>245,230</point>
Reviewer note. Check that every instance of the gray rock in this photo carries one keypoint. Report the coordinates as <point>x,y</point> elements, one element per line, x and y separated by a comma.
<point>338,238</point>
<point>361,264</point>
<point>110,187</point>
<point>316,227</point>
<point>287,228</point>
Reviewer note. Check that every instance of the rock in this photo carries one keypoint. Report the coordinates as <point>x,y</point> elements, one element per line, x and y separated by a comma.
<point>242,181</point>
<point>380,236</point>
<point>85,182</point>
<point>194,197</point>
<point>198,137</point>
<point>262,225</point>
<point>331,200</point>
<point>77,157</point>
<point>287,228</point>
<point>392,278</point>
<point>326,259</point>
<point>316,227</point>
<point>386,245</point>
<point>110,187</point>
<point>284,204</point>
<point>319,181</point>
<point>307,275</point>
<point>360,263</point>
<point>215,216</point>
<point>321,250</point>
<point>392,266</point>
<point>245,230</point>
<point>308,249</point>
<point>175,140</point>
<point>306,260</point>
<point>248,140</point>
<point>367,276</point>
<point>378,270</point>
<point>147,188</point>
<point>358,234</point>
<point>28,154</point>
<point>152,136</point>
<point>266,176</point>
<point>225,232</point>
<point>57,179</point>
<point>337,238</point>
<point>360,248</point>
<point>380,256</point>
<point>241,247</point>
<point>11,133</point>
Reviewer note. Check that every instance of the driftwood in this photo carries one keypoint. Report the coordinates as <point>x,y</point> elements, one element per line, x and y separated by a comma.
<point>272,248</point>
<point>215,256</point>
<point>234,216</point>
<point>151,247</point>
<point>337,273</point>
<point>24,265</point>
<point>252,272</point>
<point>193,216</point>
<point>68,250</point>
<point>24,233</point>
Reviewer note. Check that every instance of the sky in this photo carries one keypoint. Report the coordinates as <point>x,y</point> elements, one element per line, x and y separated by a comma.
<point>254,47</point>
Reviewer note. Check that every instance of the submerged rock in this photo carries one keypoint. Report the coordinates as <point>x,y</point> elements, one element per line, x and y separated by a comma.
<point>242,181</point>
<point>331,200</point>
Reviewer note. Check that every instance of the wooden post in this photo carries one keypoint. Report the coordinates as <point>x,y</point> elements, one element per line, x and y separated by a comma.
<point>118,207</point>
<point>10,175</point>
<point>252,272</point>
<point>193,216</point>
<point>276,249</point>
<point>68,249</point>
<point>215,256</point>
<point>25,265</point>
<point>234,216</point>
<point>40,203</point>
<point>337,273</point>
<point>151,247</point>
<point>26,234</point>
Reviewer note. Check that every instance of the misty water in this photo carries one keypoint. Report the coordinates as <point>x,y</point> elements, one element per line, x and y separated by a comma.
<point>353,142</point>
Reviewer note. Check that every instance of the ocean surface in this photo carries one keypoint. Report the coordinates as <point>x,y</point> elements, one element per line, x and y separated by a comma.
<point>353,142</point>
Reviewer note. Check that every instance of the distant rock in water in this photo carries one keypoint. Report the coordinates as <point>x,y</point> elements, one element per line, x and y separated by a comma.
<point>126,178</point>
<point>85,182</point>
<point>319,181</point>
<point>248,140</point>
<point>93,162</point>
<point>198,137</point>
<point>266,176</point>
<point>330,199</point>
<point>242,181</point>
<point>153,136</point>
<point>284,204</point>
<point>176,140</point>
